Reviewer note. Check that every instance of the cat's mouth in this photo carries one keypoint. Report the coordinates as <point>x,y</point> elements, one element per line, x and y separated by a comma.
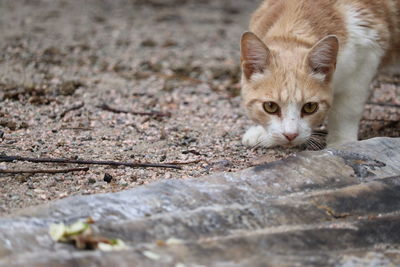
<point>292,143</point>
<point>315,141</point>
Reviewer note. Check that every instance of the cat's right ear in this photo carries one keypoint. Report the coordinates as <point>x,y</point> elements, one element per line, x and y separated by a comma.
<point>254,54</point>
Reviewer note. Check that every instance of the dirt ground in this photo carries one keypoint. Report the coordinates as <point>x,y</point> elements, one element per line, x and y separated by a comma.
<point>64,64</point>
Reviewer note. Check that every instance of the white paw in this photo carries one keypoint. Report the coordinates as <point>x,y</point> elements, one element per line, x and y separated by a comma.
<point>253,136</point>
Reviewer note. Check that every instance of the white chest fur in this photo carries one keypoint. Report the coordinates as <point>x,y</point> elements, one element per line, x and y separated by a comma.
<point>357,64</point>
<point>359,57</point>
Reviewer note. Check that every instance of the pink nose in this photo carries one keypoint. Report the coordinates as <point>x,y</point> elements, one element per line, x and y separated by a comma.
<point>290,136</point>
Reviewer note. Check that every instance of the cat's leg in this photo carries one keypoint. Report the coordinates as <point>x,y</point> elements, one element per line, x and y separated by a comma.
<point>351,85</point>
<point>348,103</point>
<point>254,136</point>
<point>345,115</point>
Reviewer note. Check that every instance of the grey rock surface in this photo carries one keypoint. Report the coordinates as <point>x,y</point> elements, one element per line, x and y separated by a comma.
<point>336,207</point>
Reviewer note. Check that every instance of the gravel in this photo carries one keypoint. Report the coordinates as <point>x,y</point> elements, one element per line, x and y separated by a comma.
<point>61,61</point>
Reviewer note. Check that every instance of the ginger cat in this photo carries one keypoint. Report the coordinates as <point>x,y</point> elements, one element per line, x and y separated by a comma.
<point>305,60</point>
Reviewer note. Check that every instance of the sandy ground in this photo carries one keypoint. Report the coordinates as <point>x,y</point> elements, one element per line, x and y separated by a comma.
<point>62,61</point>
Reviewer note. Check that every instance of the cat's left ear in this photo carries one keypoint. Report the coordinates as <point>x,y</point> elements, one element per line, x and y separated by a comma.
<point>254,54</point>
<point>322,58</point>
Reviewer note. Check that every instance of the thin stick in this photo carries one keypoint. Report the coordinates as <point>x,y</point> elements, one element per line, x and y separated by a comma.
<point>77,128</point>
<point>75,107</point>
<point>151,113</point>
<point>384,104</point>
<point>184,162</point>
<point>378,120</point>
<point>88,162</point>
<point>45,171</point>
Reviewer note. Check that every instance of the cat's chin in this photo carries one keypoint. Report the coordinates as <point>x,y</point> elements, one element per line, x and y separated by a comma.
<point>292,145</point>
<point>289,145</point>
<point>296,143</point>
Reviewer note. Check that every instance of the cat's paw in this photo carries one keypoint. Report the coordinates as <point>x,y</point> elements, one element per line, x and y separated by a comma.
<point>254,136</point>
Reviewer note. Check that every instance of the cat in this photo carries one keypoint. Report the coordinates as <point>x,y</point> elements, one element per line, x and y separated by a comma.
<point>307,60</point>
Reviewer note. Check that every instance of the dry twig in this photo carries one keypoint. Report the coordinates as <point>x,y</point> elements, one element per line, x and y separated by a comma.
<point>150,113</point>
<point>88,162</point>
<point>45,171</point>
<point>380,120</point>
<point>391,105</point>
<point>77,128</point>
<point>75,107</point>
<point>185,162</point>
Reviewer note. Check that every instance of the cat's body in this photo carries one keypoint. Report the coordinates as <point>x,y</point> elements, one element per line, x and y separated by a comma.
<point>304,58</point>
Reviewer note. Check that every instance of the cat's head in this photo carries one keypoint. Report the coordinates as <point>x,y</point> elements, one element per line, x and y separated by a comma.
<point>286,88</point>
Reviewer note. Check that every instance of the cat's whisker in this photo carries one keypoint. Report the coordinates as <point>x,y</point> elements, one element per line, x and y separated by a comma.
<point>309,144</point>
<point>265,143</point>
<point>314,144</point>
<point>319,134</point>
<point>317,143</point>
<point>257,145</point>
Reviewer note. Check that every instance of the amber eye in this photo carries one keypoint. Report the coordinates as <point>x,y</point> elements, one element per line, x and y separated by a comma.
<point>309,108</point>
<point>271,107</point>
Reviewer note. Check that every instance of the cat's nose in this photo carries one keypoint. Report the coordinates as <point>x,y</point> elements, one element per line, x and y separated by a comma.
<point>290,136</point>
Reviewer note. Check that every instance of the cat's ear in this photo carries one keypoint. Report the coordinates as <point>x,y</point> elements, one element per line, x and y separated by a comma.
<point>254,54</point>
<point>322,58</point>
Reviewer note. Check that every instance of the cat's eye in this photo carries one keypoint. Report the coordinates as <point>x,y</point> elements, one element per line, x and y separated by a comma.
<point>309,108</point>
<point>271,107</point>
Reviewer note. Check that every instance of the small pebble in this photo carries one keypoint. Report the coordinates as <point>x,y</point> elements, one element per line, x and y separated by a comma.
<point>15,197</point>
<point>122,183</point>
<point>149,43</point>
<point>107,178</point>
